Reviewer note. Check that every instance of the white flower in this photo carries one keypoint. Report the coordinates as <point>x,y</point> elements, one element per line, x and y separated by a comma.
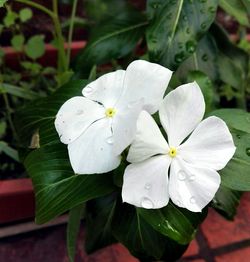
<point>191,164</point>
<point>99,125</point>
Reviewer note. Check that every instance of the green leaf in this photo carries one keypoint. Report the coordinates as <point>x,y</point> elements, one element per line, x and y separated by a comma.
<point>237,9</point>
<point>206,86</point>
<point>176,28</point>
<point>4,147</point>
<point>99,218</point>
<point>18,91</point>
<point>176,223</point>
<point>17,42</point>
<point>57,188</point>
<point>74,222</point>
<point>40,115</point>
<point>113,39</point>
<point>235,118</point>
<point>204,59</point>
<point>35,47</point>
<point>141,239</point>
<point>226,202</point>
<point>25,14</point>
<point>2,3</point>
<point>64,77</point>
<point>10,18</point>
<point>236,175</point>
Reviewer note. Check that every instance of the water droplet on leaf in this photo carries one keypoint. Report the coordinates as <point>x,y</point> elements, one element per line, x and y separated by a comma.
<point>248,151</point>
<point>203,26</point>
<point>205,57</point>
<point>190,46</point>
<point>146,203</point>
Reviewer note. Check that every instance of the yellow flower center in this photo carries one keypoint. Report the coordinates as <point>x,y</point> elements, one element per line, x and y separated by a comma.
<point>172,152</point>
<point>110,112</point>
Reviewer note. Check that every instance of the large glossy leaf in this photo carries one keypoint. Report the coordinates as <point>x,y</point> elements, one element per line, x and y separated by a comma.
<point>177,223</point>
<point>141,239</point>
<point>236,8</point>
<point>204,59</point>
<point>235,118</point>
<point>236,175</point>
<point>113,39</point>
<point>100,213</point>
<point>226,202</point>
<point>176,28</point>
<point>57,188</point>
<point>74,222</point>
<point>39,115</point>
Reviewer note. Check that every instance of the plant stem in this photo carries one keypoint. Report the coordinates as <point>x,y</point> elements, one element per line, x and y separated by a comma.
<point>62,60</point>
<point>71,29</point>
<point>8,114</point>
<point>37,6</point>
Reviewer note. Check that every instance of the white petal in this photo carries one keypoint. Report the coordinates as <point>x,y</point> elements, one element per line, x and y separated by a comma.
<point>148,140</point>
<point>210,145</point>
<point>124,126</point>
<point>92,152</point>
<point>106,89</point>
<point>192,187</point>
<point>145,184</point>
<point>75,116</point>
<point>145,80</point>
<point>181,111</point>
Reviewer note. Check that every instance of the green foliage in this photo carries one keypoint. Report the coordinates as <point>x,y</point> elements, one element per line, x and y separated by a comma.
<point>17,41</point>
<point>177,26</point>
<point>25,14</point>
<point>75,216</point>
<point>35,47</point>
<point>237,8</point>
<point>113,39</point>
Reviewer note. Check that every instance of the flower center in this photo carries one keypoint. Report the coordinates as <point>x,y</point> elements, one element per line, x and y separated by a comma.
<point>110,112</point>
<point>172,152</point>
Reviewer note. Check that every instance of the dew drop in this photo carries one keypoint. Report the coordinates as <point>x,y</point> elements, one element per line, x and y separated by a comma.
<point>205,57</point>
<point>178,202</point>
<point>87,90</point>
<point>110,140</point>
<point>79,112</point>
<point>179,57</point>
<point>248,119</point>
<point>188,30</point>
<point>192,200</point>
<point>190,46</point>
<point>238,136</point>
<point>146,203</point>
<point>182,175</point>
<point>191,178</point>
<point>132,104</point>
<point>147,186</point>
<point>248,151</point>
<point>203,26</point>
<point>212,9</point>
<point>185,18</point>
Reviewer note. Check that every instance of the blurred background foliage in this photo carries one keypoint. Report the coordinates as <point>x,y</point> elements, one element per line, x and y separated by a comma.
<point>201,40</point>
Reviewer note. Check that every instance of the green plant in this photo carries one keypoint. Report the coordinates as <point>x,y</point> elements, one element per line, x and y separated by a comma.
<point>185,37</point>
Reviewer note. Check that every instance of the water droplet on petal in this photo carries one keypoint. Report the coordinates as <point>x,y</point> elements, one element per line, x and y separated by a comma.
<point>87,90</point>
<point>178,202</point>
<point>110,140</point>
<point>191,178</point>
<point>182,175</point>
<point>147,186</point>
<point>132,104</point>
<point>79,112</point>
<point>248,151</point>
<point>146,203</point>
<point>192,200</point>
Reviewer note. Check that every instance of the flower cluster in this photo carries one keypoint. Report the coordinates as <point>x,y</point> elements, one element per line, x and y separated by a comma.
<point>115,112</point>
